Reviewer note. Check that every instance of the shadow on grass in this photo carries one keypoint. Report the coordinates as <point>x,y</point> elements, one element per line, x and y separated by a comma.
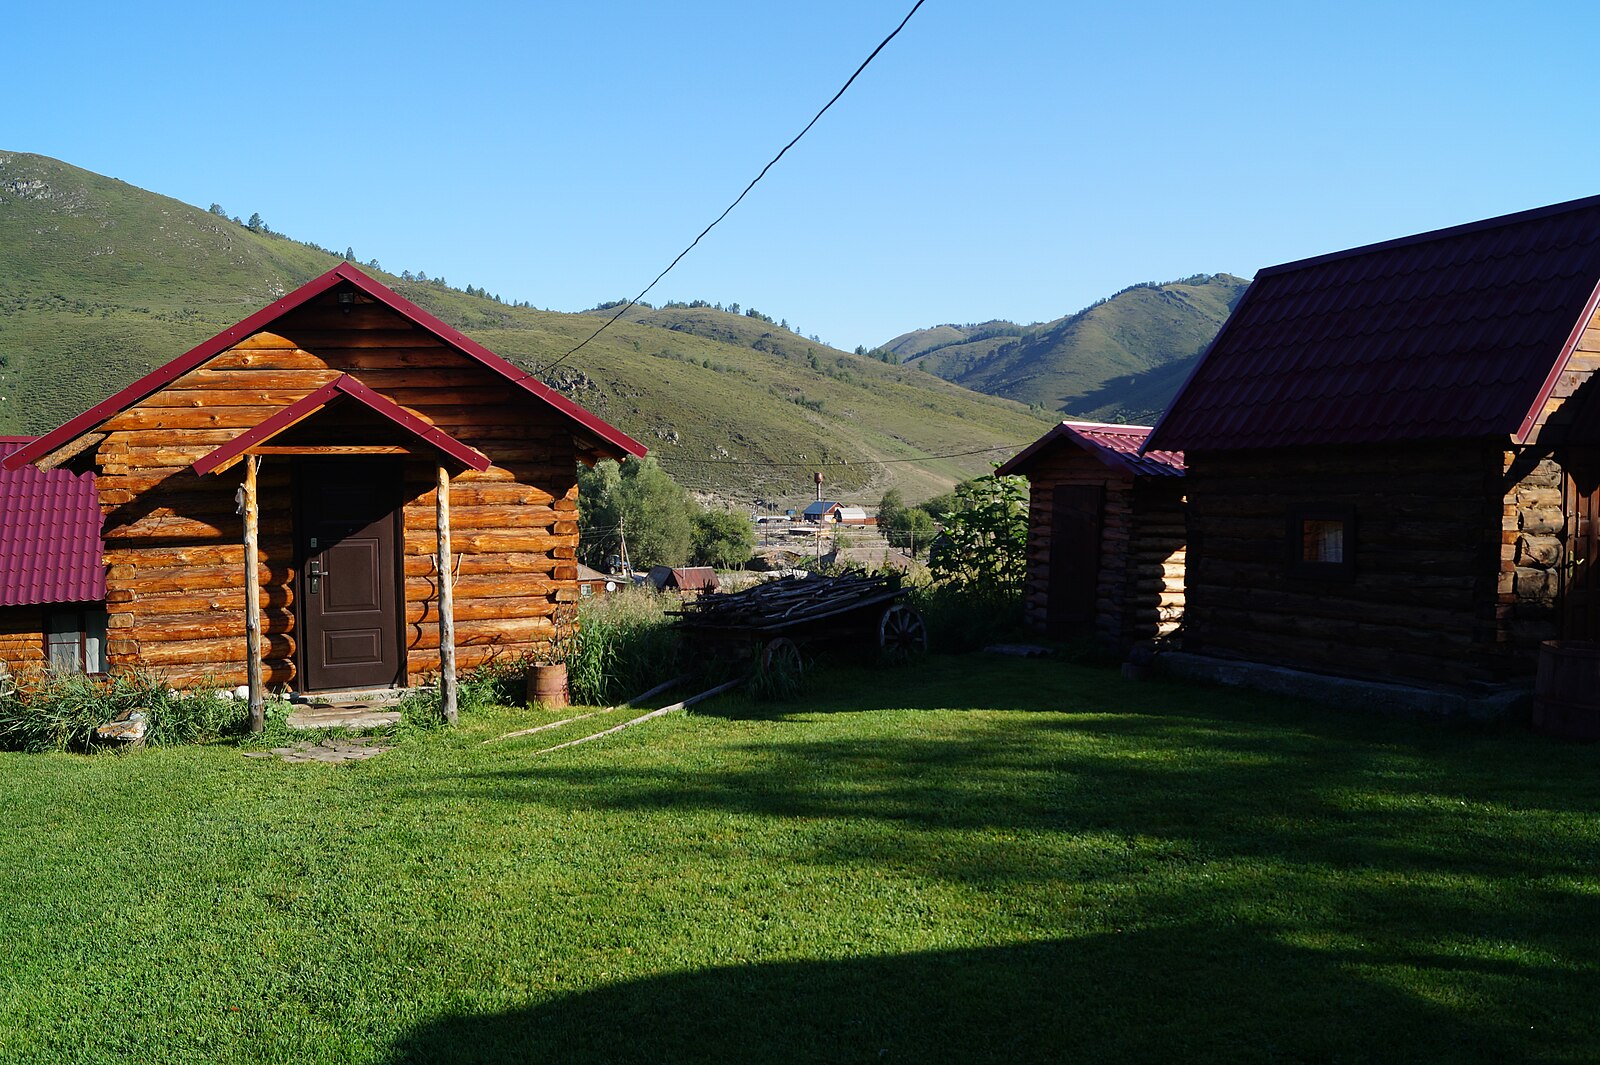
<point>1184,994</point>
<point>1305,883</point>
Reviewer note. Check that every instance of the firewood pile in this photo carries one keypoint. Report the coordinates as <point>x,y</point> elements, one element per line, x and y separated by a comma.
<point>788,601</point>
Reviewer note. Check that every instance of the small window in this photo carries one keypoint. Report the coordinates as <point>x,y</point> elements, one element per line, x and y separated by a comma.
<point>75,639</point>
<point>1322,542</point>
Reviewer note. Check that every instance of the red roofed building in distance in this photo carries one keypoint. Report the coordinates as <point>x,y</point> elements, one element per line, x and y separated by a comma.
<point>1393,453</point>
<point>1105,533</point>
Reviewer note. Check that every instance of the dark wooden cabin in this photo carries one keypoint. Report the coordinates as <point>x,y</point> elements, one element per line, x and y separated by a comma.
<point>1105,533</point>
<point>1391,462</point>
<point>323,427</point>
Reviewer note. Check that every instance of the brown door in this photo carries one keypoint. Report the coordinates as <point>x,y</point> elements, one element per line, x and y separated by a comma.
<point>1580,597</point>
<point>1074,555</point>
<point>348,573</point>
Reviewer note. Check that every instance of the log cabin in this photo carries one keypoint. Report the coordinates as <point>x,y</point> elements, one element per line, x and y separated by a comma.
<point>1392,462</point>
<point>339,492</point>
<point>1105,534</point>
<point>52,580</point>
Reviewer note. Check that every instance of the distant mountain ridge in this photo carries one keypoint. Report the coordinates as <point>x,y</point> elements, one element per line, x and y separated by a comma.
<point>1120,359</point>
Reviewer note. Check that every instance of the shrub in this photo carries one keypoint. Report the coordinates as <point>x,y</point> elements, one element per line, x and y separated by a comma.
<point>966,618</point>
<point>498,682</point>
<point>60,711</point>
<point>625,644</point>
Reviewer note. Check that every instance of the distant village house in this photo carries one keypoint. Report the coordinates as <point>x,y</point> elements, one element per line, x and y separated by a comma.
<point>829,510</point>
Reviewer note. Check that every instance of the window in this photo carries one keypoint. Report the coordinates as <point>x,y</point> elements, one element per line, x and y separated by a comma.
<point>75,639</point>
<point>1322,542</point>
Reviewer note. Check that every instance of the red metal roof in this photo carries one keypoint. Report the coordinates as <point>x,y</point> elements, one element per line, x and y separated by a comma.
<point>1117,446</point>
<point>1459,332</point>
<point>50,549</point>
<point>621,443</point>
<point>342,386</point>
<point>694,578</point>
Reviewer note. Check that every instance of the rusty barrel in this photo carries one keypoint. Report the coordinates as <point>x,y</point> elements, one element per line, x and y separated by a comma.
<point>547,685</point>
<point>1566,690</point>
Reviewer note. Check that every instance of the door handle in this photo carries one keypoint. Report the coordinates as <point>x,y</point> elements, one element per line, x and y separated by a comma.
<point>314,574</point>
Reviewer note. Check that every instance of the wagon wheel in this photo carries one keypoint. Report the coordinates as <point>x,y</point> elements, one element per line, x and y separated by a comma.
<point>782,655</point>
<point>901,633</point>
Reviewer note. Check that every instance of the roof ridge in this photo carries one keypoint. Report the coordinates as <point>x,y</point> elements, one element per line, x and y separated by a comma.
<point>1482,225</point>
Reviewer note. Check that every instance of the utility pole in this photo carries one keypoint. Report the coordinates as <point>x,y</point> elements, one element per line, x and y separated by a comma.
<point>627,567</point>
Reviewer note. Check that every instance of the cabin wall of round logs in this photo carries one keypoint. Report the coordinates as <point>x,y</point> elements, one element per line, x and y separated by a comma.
<point>1458,547</point>
<point>172,537</point>
<point>22,638</point>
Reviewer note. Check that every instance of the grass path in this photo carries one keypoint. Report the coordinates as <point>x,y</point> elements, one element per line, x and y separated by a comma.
<point>975,860</point>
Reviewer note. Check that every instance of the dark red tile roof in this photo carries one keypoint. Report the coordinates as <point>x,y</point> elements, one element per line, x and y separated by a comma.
<point>1117,446</point>
<point>50,550</point>
<point>1459,332</point>
<point>610,440</point>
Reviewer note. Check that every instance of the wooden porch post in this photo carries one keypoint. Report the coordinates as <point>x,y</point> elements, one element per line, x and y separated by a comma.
<point>447,617</point>
<point>252,597</point>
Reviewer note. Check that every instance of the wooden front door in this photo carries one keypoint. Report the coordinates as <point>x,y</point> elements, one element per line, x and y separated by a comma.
<point>1075,555</point>
<point>1580,585</point>
<point>349,573</point>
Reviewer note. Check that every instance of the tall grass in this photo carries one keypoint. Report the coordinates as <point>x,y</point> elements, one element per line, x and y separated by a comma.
<point>60,711</point>
<point>966,619</point>
<point>497,682</point>
<point>625,645</point>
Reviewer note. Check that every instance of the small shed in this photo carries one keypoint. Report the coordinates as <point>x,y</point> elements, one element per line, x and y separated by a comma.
<point>1392,457</point>
<point>52,581</point>
<point>684,579</point>
<point>1106,545</point>
<point>592,582</point>
<point>339,492</point>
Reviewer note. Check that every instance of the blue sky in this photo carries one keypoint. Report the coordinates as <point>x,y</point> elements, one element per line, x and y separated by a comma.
<point>1010,159</point>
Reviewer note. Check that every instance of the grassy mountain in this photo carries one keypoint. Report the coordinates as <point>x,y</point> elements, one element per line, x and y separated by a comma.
<point>1120,359</point>
<point>101,281</point>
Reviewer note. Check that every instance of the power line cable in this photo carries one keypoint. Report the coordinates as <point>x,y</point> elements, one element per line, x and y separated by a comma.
<point>646,290</point>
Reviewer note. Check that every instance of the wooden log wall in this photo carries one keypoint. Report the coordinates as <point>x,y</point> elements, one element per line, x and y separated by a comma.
<point>1422,603</point>
<point>173,539</point>
<point>1533,532</point>
<point>1558,416</point>
<point>1153,601</point>
<point>1139,592</point>
<point>22,639</point>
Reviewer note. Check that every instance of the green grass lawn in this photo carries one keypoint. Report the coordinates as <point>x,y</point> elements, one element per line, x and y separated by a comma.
<point>972,860</point>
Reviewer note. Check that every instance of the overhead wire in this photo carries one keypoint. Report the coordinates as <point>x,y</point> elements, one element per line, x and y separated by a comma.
<point>646,290</point>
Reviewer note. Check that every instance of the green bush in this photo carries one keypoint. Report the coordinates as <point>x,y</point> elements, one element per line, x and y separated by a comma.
<point>625,644</point>
<point>966,618</point>
<point>60,711</point>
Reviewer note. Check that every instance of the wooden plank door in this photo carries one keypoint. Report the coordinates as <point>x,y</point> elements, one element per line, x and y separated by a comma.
<point>1580,586</point>
<point>1075,555</point>
<point>348,567</point>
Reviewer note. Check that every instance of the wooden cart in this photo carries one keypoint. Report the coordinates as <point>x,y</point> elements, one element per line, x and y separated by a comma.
<point>780,617</point>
